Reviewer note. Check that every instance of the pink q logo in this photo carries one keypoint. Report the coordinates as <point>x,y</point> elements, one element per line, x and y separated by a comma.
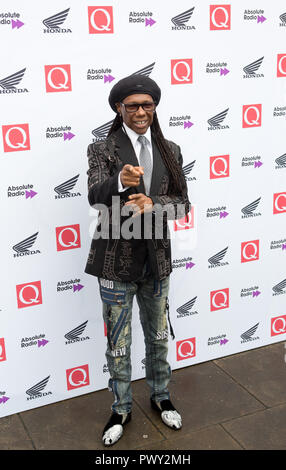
<point>29,294</point>
<point>186,222</point>
<point>58,78</point>
<point>68,237</point>
<point>251,115</point>
<point>219,166</point>
<point>100,20</point>
<point>2,350</point>
<point>16,137</point>
<point>219,299</point>
<point>250,251</point>
<point>181,71</point>
<point>279,203</point>
<point>278,325</point>
<point>186,349</point>
<point>281,65</point>
<point>77,377</point>
<point>219,17</point>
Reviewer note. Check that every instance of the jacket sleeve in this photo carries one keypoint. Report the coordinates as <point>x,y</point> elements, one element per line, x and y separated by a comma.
<point>178,204</point>
<point>102,179</point>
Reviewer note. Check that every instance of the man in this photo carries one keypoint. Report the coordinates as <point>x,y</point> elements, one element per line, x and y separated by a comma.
<point>135,170</point>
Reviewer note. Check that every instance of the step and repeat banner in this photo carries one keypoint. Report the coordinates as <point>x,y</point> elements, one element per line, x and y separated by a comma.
<point>222,72</point>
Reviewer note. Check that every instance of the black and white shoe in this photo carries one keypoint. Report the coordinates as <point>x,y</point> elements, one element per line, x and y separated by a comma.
<point>113,430</point>
<point>169,414</point>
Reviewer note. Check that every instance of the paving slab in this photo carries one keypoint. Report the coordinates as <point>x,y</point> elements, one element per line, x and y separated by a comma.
<point>261,371</point>
<point>77,423</point>
<point>211,438</point>
<point>204,395</point>
<point>264,430</point>
<point>13,435</point>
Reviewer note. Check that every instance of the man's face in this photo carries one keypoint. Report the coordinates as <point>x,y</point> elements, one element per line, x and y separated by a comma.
<point>140,120</point>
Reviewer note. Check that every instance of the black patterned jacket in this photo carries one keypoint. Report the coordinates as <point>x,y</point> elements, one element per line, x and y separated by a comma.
<point>116,258</point>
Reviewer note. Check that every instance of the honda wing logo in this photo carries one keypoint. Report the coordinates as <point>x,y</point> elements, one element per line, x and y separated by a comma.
<point>53,22</point>
<point>67,186</point>
<point>252,68</point>
<point>26,244</point>
<point>186,308</point>
<point>216,120</point>
<point>100,133</point>
<point>181,19</point>
<point>281,161</point>
<point>247,210</point>
<point>36,390</point>
<point>218,257</point>
<point>247,335</point>
<point>76,332</point>
<point>278,289</point>
<point>9,83</point>
<point>188,168</point>
<point>283,18</point>
<point>145,71</point>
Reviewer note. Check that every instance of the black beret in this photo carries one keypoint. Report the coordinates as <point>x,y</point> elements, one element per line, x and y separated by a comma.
<point>132,85</point>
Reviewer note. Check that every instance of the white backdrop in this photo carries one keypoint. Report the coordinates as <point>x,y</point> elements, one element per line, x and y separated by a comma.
<point>222,71</point>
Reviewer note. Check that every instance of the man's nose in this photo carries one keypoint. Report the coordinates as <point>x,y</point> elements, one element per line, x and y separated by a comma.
<point>140,110</point>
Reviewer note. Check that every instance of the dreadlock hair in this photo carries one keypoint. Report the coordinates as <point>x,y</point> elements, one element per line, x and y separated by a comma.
<point>177,181</point>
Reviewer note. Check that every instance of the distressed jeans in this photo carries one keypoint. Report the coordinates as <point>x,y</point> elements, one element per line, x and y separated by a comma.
<point>152,299</point>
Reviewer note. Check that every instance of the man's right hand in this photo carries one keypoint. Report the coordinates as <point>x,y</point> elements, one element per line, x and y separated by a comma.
<point>130,175</point>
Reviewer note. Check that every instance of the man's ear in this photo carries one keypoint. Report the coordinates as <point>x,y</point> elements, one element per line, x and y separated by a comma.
<point>118,107</point>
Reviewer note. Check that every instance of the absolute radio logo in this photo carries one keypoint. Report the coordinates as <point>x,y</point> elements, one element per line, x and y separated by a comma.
<point>29,294</point>
<point>221,340</point>
<point>100,20</point>
<point>249,251</point>
<point>252,292</point>
<point>53,23</point>
<point>9,84</point>
<point>186,349</point>
<point>186,263</point>
<point>186,309</point>
<point>64,190</point>
<point>219,166</point>
<point>100,73</point>
<point>23,190</point>
<point>220,17</point>
<point>281,65</point>
<point>215,122</point>
<point>36,391</point>
<point>63,132</point>
<point>254,15</point>
<point>145,17</point>
<point>279,111</point>
<point>3,397</point>
<point>68,237</point>
<point>278,325</point>
<point>16,137</point>
<point>58,78</point>
<point>278,244</point>
<point>35,340</point>
<point>250,209</point>
<point>77,377</point>
<point>187,170</point>
<point>23,248</point>
<point>214,67</point>
<point>183,120</point>
<point>2,350</point>
<point>215,261</point>
<point>70,285</point>
<point>181,21</point>
<point>220,211</point>
<point>11,18</point>
<point>250,70</point>
<point>181,71</point>
<point>219,299</point>
<point>254,161</point>
<point>280,162</point>
<point>251,115</point>
<point>279,203</point>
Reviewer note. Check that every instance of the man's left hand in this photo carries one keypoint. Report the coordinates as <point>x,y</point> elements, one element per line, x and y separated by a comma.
<point>140,202</point>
